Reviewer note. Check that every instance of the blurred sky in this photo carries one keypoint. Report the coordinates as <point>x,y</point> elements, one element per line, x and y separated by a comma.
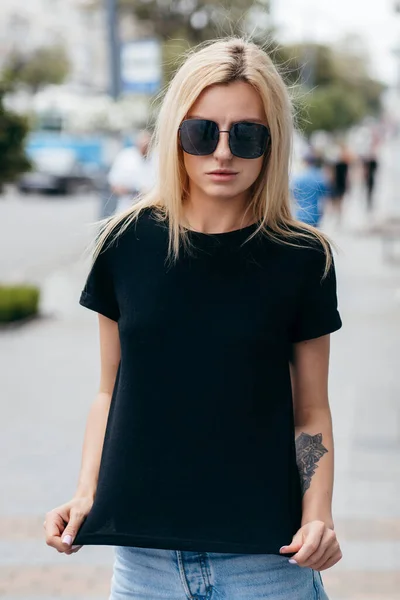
<point>330,20</point>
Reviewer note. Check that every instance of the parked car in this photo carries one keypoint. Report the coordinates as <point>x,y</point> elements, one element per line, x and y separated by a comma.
<point>56,170</point>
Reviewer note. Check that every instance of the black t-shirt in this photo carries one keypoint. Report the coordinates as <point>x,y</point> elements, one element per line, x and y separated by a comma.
<point>199,451</point>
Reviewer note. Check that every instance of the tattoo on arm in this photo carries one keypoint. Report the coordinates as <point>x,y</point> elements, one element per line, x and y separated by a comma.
<point>309,450</point>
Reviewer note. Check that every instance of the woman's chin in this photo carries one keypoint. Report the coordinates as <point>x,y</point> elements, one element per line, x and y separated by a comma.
<point>221,191</point>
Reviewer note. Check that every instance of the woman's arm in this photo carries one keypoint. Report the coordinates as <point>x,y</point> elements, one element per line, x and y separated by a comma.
<point>313,427</point>
<point>315,544</point>
<point>62,523</point>
<point>110,354</point>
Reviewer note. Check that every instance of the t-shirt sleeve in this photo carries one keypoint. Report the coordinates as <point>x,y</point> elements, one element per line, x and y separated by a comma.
<point>98,293</point>
<point>318,313</point>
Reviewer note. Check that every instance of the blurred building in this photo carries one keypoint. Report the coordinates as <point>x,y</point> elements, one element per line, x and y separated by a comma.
<point>76,24</point>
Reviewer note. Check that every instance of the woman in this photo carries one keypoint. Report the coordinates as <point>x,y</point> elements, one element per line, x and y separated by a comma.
<point>213,305</point>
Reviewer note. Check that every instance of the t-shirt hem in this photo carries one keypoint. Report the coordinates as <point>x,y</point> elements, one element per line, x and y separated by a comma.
<point>91,303</point>
<point>142,541</point>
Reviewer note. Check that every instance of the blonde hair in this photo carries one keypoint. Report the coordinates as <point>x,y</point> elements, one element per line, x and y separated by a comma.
<point>221,62</point>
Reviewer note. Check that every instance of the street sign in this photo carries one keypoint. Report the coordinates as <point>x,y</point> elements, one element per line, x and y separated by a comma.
<point>141,69</point>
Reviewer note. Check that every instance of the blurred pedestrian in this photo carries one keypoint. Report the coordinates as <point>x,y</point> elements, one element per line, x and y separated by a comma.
<point>132,172</point>
<point>340,183</point>
<point>370,166</point>
<point>310,189</point>
<point>211,476</point>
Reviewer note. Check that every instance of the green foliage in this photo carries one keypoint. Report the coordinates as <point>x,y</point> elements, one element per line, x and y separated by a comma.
<point>49,64</point>
<point>330,108</point>
<point>318,59</point>
<point>18,302</point>
<point>13,130</point>
<point>181,24</point>
<point>335,88</point>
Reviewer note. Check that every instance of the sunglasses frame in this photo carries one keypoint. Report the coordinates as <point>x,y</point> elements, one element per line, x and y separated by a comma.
<point>267,144</point>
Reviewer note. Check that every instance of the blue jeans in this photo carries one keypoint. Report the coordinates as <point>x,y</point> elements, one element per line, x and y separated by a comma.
<point>149,574</point>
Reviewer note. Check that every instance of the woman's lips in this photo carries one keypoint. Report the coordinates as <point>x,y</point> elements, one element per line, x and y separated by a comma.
<point>222,176</point>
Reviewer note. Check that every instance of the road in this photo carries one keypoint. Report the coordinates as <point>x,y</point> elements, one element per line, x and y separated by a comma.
<point>39,234</point>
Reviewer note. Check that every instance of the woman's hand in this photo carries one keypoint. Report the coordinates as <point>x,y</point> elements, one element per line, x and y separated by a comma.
<point>62,524</point>
<point>315,546</point>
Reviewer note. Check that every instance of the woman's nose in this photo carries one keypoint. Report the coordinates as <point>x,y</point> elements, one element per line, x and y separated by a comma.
<point>222,151</point>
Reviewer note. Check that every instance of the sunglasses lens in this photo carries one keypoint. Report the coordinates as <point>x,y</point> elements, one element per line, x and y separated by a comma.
<point>249,140</point>
<point>199,136</point>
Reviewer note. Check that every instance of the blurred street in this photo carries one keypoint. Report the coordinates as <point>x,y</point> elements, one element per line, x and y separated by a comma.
<point>40,233</point>
<point>50,372</point>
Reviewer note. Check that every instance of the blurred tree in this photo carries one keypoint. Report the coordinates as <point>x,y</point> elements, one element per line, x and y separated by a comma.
<point>199,20</point>
<point>334,88</point>
<point>181,24</point>
<point>13,130</point>
<point>49,64</point>
<point>330,108</point>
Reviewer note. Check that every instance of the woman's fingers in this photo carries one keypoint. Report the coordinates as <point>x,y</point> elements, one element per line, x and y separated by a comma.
<point>54,526</point>
<point>294,546</point>
<point>327,547</point>
<point>63,523</point>
<point>76,519</point>
<point>72,550</point>
<point>331,561</point>
<point>312,541</point>
<point>319,547</point>
<point>61,526</point>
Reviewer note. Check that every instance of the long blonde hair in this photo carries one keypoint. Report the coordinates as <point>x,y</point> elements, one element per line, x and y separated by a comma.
<point>221,62</point>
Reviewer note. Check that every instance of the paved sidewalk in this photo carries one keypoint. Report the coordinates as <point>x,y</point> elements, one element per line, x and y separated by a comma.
<point>49,378</point>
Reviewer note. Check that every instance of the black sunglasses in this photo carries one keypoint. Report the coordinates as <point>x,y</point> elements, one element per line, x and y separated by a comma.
<point>246,140</point>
